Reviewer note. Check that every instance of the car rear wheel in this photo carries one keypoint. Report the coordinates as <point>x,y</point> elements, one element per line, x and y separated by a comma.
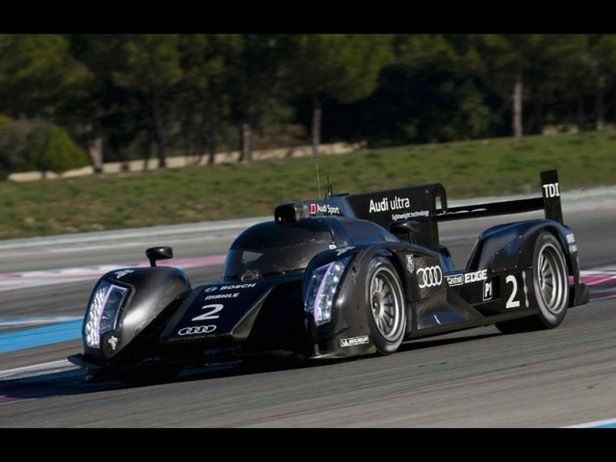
<point>386,306</point>
<point>550,286</point>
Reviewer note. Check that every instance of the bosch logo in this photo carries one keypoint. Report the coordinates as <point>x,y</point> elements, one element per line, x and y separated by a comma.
<point>431,276</point>
<point>197,330</point>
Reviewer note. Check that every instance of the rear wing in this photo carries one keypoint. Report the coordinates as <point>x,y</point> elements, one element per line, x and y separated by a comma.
<point>549,202</point>
<point>426,204</point>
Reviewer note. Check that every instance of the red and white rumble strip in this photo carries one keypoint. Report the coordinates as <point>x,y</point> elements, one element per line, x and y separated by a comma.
<point>601,281</point>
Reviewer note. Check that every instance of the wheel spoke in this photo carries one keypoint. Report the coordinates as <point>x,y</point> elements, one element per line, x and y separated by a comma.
<point>552,278</point>
<point>385,295</point>
<point>544,265</point>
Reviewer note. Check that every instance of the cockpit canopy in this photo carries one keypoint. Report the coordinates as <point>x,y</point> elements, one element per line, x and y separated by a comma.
<point>269,249</point>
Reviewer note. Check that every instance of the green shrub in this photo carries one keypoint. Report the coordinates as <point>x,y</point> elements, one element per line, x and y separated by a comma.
<point>52,149</point>
<point>37,145</point>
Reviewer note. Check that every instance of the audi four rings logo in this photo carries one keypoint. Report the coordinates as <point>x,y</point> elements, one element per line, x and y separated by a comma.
<point>431,276</point>
<point>197,330</point>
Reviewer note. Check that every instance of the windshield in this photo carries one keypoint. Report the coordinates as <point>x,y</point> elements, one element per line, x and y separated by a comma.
<point>257,263</point>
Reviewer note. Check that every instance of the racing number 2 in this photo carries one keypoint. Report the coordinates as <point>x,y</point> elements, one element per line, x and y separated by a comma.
<point>512,302</point>
<point>211,314</point>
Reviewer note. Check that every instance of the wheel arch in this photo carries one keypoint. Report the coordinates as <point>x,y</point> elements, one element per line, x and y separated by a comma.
<point>153,294</point>
<point>509,247</point>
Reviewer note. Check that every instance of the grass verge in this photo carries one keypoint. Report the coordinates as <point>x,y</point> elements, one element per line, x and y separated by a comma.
<point>466,169</point>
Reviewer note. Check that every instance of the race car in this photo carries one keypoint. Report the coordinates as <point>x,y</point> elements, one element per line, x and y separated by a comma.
<point>341,276</point>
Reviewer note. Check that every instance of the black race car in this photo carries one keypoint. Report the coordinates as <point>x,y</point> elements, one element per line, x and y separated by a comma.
<point>346,275</point>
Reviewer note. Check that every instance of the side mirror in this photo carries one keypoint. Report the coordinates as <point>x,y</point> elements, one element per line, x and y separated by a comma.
<point>407,227</point>
<point>158,253</point>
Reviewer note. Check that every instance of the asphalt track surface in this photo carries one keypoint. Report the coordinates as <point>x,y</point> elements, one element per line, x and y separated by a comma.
<point>476,378</point>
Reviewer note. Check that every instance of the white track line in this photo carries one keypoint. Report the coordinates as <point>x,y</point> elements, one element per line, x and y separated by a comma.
<point>24,321</point>
<point>17,401</point>
<point>27,279</point>
<point>596,423</point>
<point>131,234</point>
<point>60,365</point>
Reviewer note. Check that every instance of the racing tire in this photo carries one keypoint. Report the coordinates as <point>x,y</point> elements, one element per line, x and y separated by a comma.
<point>550,287</point>
<point>149,375</point>
<point>386,306</point>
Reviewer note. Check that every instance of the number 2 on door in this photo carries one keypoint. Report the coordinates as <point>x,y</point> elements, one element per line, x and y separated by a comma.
<point>512,302</point>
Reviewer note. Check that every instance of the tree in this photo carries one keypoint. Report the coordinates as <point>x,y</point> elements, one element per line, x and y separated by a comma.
<point>259,65</point>
<point>96,99</point>
<point>602,49</point>
<point>519,64</point>
<point>125,94</point>
<point>344,67</point>
<point>505,67</point>
<point>433,90</point>
<point>10,145</point>
<point>37,74</point>
<point>150,69</point>
<point>204,95</point>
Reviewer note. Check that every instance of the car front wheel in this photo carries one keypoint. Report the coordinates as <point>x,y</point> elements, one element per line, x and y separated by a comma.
<point>386,305</point>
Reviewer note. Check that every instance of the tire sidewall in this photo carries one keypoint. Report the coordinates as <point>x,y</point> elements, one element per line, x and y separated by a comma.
<point>383,345</point>
<point>548,318</point>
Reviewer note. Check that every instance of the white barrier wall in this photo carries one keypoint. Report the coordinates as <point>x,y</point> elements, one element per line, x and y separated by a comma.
<point>185,161</point>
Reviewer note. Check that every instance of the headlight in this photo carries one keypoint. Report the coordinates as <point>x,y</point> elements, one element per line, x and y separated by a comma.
<point>321,290</point>
<point>103,311</point>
